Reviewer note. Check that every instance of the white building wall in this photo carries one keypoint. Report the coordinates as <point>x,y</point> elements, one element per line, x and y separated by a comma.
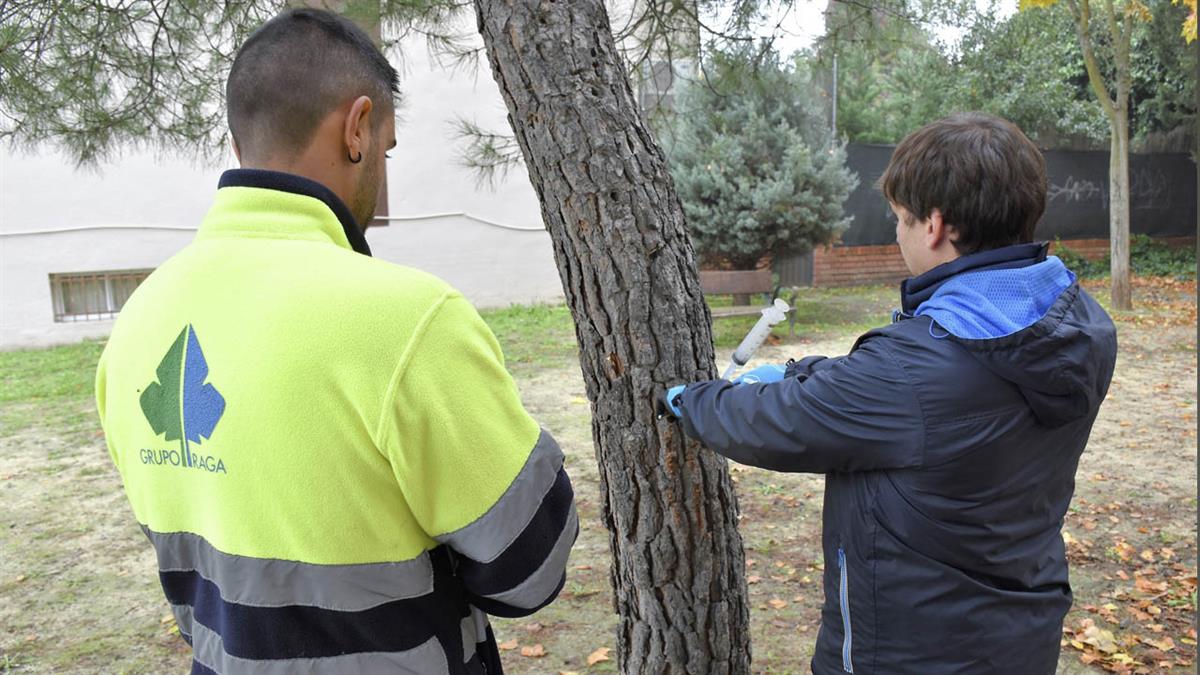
<point>138,211</point>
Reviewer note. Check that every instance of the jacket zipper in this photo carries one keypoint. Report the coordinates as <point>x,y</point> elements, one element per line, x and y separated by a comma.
<point>844,598</point>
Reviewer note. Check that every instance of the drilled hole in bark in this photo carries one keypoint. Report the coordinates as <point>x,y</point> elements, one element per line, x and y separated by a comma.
<point>595,92</point>
<point>615,364</point>
<point>613,195</point>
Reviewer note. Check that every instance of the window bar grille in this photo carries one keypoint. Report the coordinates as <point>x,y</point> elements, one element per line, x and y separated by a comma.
<point>91,296</point>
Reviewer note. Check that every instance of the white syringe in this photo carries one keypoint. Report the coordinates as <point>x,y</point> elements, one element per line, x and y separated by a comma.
<point>772,315</point>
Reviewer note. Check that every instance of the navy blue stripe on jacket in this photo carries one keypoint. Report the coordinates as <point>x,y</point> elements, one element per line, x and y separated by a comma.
<point>537,550</point>
<point>303,631</point>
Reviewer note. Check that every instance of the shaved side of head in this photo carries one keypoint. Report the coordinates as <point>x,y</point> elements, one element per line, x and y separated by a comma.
<point>295,70</point>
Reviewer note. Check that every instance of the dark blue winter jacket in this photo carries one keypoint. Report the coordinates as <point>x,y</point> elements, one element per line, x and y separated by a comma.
<point>949,440</point>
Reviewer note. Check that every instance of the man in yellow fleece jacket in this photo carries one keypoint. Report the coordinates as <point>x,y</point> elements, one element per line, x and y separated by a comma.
<point>325,450</point>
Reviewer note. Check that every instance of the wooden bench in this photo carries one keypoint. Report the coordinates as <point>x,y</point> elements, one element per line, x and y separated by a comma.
<point>750,282</point>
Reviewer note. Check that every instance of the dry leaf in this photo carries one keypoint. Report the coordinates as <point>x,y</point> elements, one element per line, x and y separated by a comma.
<point>508,645</point>
<point>777,603</point>
<point>1121,658</point>
<point>1165,643</point>
<point>1101,639</point>
<point>598,656</point>
<point>1150,587</point>
<point>1123,549</point>
<point>753,579</point>
<point>532,627</point>
<point>535,652</point>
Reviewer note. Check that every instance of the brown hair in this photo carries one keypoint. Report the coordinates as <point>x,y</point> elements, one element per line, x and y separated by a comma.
<point>984,175</point>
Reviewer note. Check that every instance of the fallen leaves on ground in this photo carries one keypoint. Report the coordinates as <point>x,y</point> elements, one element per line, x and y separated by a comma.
<point>1143,620</point>
<point>598,656</point>
<point>1160,302</point>
<point>535,652</point>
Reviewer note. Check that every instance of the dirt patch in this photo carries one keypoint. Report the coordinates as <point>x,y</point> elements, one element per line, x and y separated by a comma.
<point>77,577</point>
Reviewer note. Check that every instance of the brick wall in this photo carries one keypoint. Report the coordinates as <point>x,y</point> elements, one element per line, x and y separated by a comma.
<point>1095,249</point>
<point>860,265</point>
<point>1092,249</point>
<point>857,265</point>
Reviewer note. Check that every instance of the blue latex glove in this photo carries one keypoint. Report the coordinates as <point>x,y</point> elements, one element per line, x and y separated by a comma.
<point>670,397</point>
<point>766,374</point>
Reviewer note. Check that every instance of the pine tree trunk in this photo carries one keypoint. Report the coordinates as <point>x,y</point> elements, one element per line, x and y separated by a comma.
<point>1118,209</point>
<point>629,276</point>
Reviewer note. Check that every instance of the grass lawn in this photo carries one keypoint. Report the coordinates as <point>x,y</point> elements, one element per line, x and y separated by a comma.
<point>79,593</point>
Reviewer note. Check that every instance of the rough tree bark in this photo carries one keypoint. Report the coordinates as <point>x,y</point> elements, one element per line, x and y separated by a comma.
<point>629,276</point>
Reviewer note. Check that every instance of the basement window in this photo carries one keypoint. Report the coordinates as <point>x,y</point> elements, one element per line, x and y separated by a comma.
<point>92,296</point>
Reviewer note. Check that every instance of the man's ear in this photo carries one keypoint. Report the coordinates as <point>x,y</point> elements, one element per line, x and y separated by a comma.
<point>936,229</point>
<point>356,131</point>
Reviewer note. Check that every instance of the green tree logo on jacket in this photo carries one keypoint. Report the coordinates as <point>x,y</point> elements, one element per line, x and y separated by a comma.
<point>181,404</point>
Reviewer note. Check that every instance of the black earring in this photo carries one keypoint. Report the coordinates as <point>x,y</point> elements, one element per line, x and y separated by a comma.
<point>355,160</point>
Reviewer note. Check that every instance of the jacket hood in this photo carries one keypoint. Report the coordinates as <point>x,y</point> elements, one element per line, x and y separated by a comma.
<point>1024,316</point>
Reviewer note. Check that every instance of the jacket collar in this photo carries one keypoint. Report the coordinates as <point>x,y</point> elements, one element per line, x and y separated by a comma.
<point>327,213</point>
<point>918,289</point>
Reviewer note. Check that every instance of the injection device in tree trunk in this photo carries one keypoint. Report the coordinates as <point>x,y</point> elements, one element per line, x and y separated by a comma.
<point>771,316</point>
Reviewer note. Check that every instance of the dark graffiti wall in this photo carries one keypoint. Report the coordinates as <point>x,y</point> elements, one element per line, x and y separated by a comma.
<point>1162,196</point>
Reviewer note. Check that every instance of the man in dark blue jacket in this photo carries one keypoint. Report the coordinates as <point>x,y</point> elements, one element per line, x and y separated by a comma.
<point>950,438</point>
